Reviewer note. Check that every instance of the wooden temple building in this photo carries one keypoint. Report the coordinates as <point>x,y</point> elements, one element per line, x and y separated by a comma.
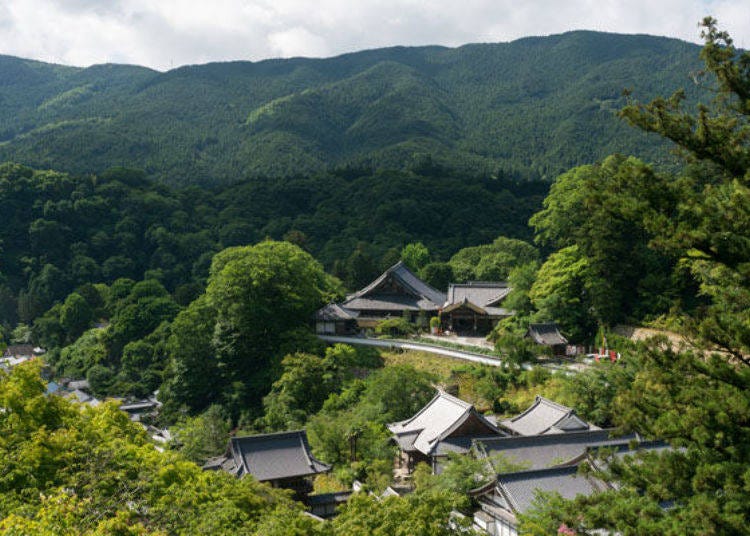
<point>548,442</point>
<point>445,424</point>
<point>468,308</point>
<point>474,307</point>
<point>282,459</point>
<point>548,334</point>
<point>396,293</point>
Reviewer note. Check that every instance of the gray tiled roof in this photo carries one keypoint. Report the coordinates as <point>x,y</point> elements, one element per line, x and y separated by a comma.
<point>541,451</point>
<point>423,296</point>
<point>436,421</point>
<point>271,456</point>
<point>545,416</point>
<point>18,350</point>
<point>519,488</point>
<point>547,334</point>
<point>333,311</point>
<point>460,445</point>
<point>481,293</point>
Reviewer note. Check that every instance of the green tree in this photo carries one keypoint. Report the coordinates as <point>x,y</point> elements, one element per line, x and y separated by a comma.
<point>437,274</point>
<point>75,315</point>
<point>415,255</point>
<point>696,397</point>
<point>600,209</point>
<point>261,296</point>
<point>205,435</point>
<point>560,293</point>
<point>193,378</point>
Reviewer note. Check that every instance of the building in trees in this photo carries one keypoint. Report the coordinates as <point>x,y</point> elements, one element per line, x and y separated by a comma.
<point>548,334</point>
<point>334,319</point>
<point>445,424</point>
<point>510,494</point>
<point>282,459</point>
<point>546,417</point>
<point>474,307</point>
<point>396,293</point>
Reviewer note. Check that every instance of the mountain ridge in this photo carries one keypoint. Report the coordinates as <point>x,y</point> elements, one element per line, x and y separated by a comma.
<point>533,107</point>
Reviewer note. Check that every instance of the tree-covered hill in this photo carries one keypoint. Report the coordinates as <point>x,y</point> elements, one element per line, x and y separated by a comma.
<point>536,106</point>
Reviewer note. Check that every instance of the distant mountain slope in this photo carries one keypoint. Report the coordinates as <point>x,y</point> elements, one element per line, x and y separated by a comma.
<point>534,106</point>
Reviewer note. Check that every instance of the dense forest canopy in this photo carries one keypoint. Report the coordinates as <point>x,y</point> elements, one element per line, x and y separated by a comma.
<point>533,107</point>
<point>207,295</point>
<point>64,231</point>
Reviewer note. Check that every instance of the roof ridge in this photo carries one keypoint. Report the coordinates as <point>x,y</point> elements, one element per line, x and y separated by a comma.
<point>552,438</point>
<point>271,434</point>
<point>455,399</point>
<point>557,405</point>
<point>526,472</point>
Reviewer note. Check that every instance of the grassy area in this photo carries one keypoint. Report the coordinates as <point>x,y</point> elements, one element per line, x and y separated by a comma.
<point>438,365</point>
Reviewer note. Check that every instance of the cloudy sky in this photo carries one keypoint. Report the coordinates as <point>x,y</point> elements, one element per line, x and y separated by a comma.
<point>168,33</point>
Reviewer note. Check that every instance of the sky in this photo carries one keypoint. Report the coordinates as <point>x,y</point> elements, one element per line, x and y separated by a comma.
<point>163,34</point>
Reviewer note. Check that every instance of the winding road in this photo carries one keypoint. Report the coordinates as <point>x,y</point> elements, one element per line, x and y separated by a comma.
<point>387,343</point>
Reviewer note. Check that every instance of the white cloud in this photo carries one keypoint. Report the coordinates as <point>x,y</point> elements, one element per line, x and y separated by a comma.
<point>175,32</point>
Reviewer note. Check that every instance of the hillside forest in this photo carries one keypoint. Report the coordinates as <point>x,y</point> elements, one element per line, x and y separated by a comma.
<point>532,108</point>
<point>206,295</point>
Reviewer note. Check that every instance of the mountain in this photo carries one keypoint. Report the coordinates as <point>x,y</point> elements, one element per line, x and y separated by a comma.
<point>533,107</point>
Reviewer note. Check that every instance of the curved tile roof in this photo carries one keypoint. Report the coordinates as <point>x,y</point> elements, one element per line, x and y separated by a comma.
<point>270,456</point>
<point>425,297</point>
<point>546,417</point>
<point>434,422</point>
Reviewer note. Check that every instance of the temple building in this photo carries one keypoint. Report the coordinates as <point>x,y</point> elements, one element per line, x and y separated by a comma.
<point>282,459</point>
<point>474,308</point>
<point>546,417</point>
<point>548,334</point>
<point>509,494</point>
<point>446,423</point>
<point>396,293</point>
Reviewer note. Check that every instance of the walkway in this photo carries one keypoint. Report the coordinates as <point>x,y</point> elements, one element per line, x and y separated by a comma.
<point>421,347</point>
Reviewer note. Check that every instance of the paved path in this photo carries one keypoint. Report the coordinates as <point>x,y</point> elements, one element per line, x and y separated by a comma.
<point>440,350</point>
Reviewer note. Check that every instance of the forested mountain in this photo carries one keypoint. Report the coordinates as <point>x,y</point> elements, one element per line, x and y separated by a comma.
<point>533,107</point>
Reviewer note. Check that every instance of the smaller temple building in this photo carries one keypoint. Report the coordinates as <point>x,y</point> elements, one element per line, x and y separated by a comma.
<point>333,319</point>
<point>548,334</point>
<point>546,417</point>
<point>474,307</point>
<point>282,459</point>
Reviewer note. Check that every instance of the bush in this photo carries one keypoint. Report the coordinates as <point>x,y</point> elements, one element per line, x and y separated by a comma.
<point>394,326</point>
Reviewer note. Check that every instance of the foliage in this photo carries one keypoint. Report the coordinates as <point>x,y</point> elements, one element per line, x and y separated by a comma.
<point>437,274</point>
<point>350,428</point>
<point>416,256</point>
<point>599,210</point>
<point>492,262</point>
<point>82,470</point>
<point>418,514</point>
<point>395,327</point>
<point>226,346</point>
<point>559,293</point>
<point>696,397</point>
<point>308,380</point>
<point>205,435</point>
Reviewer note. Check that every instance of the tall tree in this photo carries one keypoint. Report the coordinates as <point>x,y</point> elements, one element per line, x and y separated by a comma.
<point>698,398</point>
